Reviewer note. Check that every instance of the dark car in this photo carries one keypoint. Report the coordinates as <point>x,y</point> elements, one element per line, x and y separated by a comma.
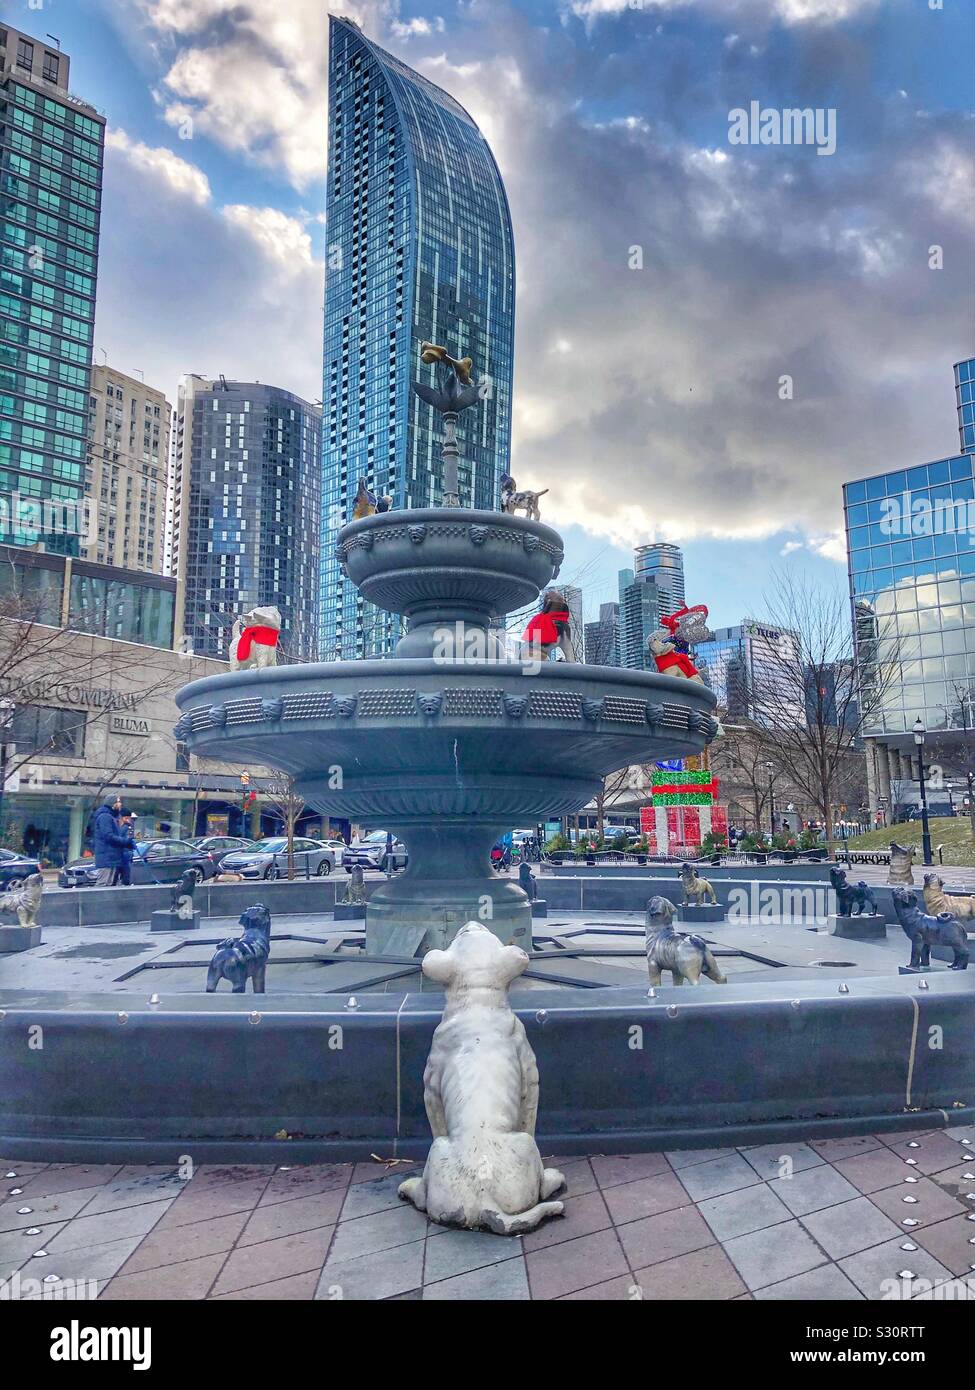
<point>219,845</point>
<point>14,868</point>
<point>154,861</point>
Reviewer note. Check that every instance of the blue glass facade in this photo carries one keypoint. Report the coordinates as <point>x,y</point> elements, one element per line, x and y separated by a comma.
<point>419,246</point>
<point>965,397</point>
<point>51,156</point>
<point>911,545</point>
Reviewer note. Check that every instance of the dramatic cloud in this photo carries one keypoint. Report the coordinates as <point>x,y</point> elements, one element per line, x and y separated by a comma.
<point>179,176</point>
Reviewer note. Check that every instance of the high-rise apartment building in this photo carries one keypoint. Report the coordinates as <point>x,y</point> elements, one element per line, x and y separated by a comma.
<point>641,606</point>
<point>51,151</point>
<point>664,564</point>
<point>419,247</point>
<point>127,471</point>
<point>753,668</point>
<point>245,512</point>
<point>603,637</point>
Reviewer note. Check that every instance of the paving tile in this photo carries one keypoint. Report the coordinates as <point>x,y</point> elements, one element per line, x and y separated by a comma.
<point>646,1197</point>
<point>687,1158</point>
<point>933,1204</point>
<point>575,1264</point>
<point>298,1288</point>
<point>458,1252</point>
<point>833,1149</point>
<point>381,1274</point>
<point>497,1283</point>
<point>875,1271</point>
<point>956,1132</point>
<point>951,1242</point>
<point>871,1172</point>
<point>818,1285</point>
<point>582,1216</point>
<point>366,1198</point>
<point>134,1190</point>
<point>813,1189</point>
<point>935,1153</point>
<point>748,1209</point>
<point>187,1279</point>
<point>776,1253</point>
<point>107,1226</point>
<point>274,1259</point>
<point>386,1229</point>
<point>368,1172</point>
<point>611,1169</point>
<point>186,1243</point>
<point>578,1174</point>
<point>665,1236</point>
<point>701,1274</point>
<point>19,1167</point>
<point>769,1160</point>
<point>850,1226</point>
<point>62,1177</point>
<point>306,1181</point>
<point>217,1174</point>
<point>98,1262</point>
<point>288,1218</point>
<point>203,1204</point>
<point>59,1206</point>
<point>16,1248</point>
<point>717,1177</point>
<point>624,1288</point>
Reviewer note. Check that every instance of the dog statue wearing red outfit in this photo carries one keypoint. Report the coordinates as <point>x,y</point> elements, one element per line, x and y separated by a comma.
<point>551,628</point>
<point>254,644</point>
<point>669,643</point>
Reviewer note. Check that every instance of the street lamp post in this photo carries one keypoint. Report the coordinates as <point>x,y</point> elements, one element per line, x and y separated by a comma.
<point>925,829</point>
<point>771,795</point>
<point>6,720</point>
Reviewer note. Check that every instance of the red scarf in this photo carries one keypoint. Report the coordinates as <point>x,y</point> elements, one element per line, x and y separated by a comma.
<point>542,627</point>
<point>264,636</point>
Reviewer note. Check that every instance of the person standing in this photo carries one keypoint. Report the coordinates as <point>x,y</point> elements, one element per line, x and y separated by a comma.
<point>108,842</point>
<point>388,860</point>
<point>127,831</point>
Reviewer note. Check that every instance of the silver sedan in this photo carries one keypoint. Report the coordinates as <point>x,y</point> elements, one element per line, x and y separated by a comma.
<point>269,859</point>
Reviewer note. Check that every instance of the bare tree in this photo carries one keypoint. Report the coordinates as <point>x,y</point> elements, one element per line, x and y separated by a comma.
<point>283,802</point>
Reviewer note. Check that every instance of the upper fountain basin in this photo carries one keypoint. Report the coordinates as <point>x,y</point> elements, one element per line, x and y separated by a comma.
<point>444,564</point>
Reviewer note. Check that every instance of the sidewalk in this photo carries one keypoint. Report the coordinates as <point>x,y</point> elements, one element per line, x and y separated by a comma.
<point>854,1215</point>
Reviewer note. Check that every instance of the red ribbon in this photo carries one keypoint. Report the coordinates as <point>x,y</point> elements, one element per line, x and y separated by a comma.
<point>263,636</point>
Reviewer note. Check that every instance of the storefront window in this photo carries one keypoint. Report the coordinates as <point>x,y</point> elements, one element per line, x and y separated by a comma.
<point>38,729</point>
<point>126,611</point>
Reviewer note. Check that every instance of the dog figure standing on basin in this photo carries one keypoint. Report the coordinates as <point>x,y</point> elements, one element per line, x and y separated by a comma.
<point>480,1089</point>
<point>850,896</point>
<point>924,931</point>
<point>936,900</point>
<point>254,643</point>
<point>697,890</point>
<point>549,633</point>
<point>685,955</point>
<point>242,958</point>
<point>513,500</point>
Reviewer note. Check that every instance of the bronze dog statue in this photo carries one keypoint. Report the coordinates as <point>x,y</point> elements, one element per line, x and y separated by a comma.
<point>685,955</point>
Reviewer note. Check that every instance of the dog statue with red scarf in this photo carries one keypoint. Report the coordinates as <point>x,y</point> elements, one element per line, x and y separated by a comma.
<point>670,644</point>
<point>549,632</point>
<point>254,644</point>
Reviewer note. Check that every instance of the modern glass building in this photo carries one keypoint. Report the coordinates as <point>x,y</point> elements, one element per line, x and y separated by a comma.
<point>51,155</point>
<point>910,536</point>
<point>419,247</point>
<point>664,564</point>
<point>603,637</point>
<point>640,609</point>
<point>752,668</point>
<point>246,515</point>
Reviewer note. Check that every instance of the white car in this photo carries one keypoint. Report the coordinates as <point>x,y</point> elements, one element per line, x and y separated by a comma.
<point>369,851</point>
<point>269,858</point>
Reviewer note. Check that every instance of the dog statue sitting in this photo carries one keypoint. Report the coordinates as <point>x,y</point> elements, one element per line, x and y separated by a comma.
<point>686,956</point>
<point>480,1089</point>
<point>850,896</point>
<point>24,900</point>
<point>549,632</point>
<point>527,882</point>
<point>181,899</point>
<point>924,931</point>
<point>254,643</point>
<point>512,500</point>
<point>936,900</point>
<point>242,958</point>
<point>355,891</point>
<point>901,863</point>
<point>697,890</point>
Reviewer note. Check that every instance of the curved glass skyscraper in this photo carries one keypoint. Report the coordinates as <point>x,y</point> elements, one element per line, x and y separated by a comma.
<point>419,246</point>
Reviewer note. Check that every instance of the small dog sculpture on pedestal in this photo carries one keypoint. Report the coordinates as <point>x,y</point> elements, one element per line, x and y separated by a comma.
<point>355,891</point>
<point>924,931</point>
<point>936,900</point>
<point>24,900</point>
<point>480,1089</point>
<point>901,863</point>
<point>181,902</point>
<point>850,896</point>
<point>527,882</point>
<point>242,958</point>
<point>254,640</point>
<point>697,890</point>
<point>686,956</point>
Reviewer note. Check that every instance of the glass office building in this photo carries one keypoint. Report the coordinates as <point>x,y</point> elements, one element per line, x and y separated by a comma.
<point>752,668</point>
<point>418,247</point>
<point>51,156</point>
<point>664,564</point>
<point>965,397</point>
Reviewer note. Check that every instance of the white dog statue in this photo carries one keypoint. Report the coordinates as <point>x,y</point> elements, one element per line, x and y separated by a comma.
<point>480,1088</point>
<point>24,900</point>
<point>254,643</point>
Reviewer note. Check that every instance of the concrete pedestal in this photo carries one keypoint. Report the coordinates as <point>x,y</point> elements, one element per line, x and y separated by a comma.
<point>18,938</point>
<point>165,920</point>
<point>539,908</point>
<point>867,926</point>
<point>350,912</point>
<point>697,914</point>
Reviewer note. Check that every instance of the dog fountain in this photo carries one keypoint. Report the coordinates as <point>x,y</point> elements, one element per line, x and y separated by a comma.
<point>448,742</point>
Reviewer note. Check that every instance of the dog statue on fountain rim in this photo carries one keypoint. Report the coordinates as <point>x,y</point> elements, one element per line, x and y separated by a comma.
<point>480,1089</point>
<point>697,890</point>
<point>238,959</point>
<point>685,955</point>
<point>24,900</point>
<point>254,641</point>
<point>924,931</point>
<point>936,900</point>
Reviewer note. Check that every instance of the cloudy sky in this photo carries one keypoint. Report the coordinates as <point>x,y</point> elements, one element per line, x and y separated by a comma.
<point>668,279</point>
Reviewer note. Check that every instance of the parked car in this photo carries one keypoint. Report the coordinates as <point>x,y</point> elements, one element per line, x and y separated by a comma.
<point>269,858</point>
<point>154,861</point>
<point>219,845</point>
<point>368,852</point>
<point>14,868</point>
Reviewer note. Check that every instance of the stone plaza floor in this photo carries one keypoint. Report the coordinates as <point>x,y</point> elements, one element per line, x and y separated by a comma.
<point>818,1221</point>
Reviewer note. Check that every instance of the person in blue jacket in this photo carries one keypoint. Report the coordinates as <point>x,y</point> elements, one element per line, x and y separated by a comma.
<point>108,842</point>
<point>126,829</point>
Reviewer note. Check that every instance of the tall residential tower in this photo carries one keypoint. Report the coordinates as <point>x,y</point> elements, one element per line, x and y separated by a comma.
<point>419,247</point>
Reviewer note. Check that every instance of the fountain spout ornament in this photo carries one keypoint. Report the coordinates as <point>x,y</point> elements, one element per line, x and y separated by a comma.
<point>454,393</point>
